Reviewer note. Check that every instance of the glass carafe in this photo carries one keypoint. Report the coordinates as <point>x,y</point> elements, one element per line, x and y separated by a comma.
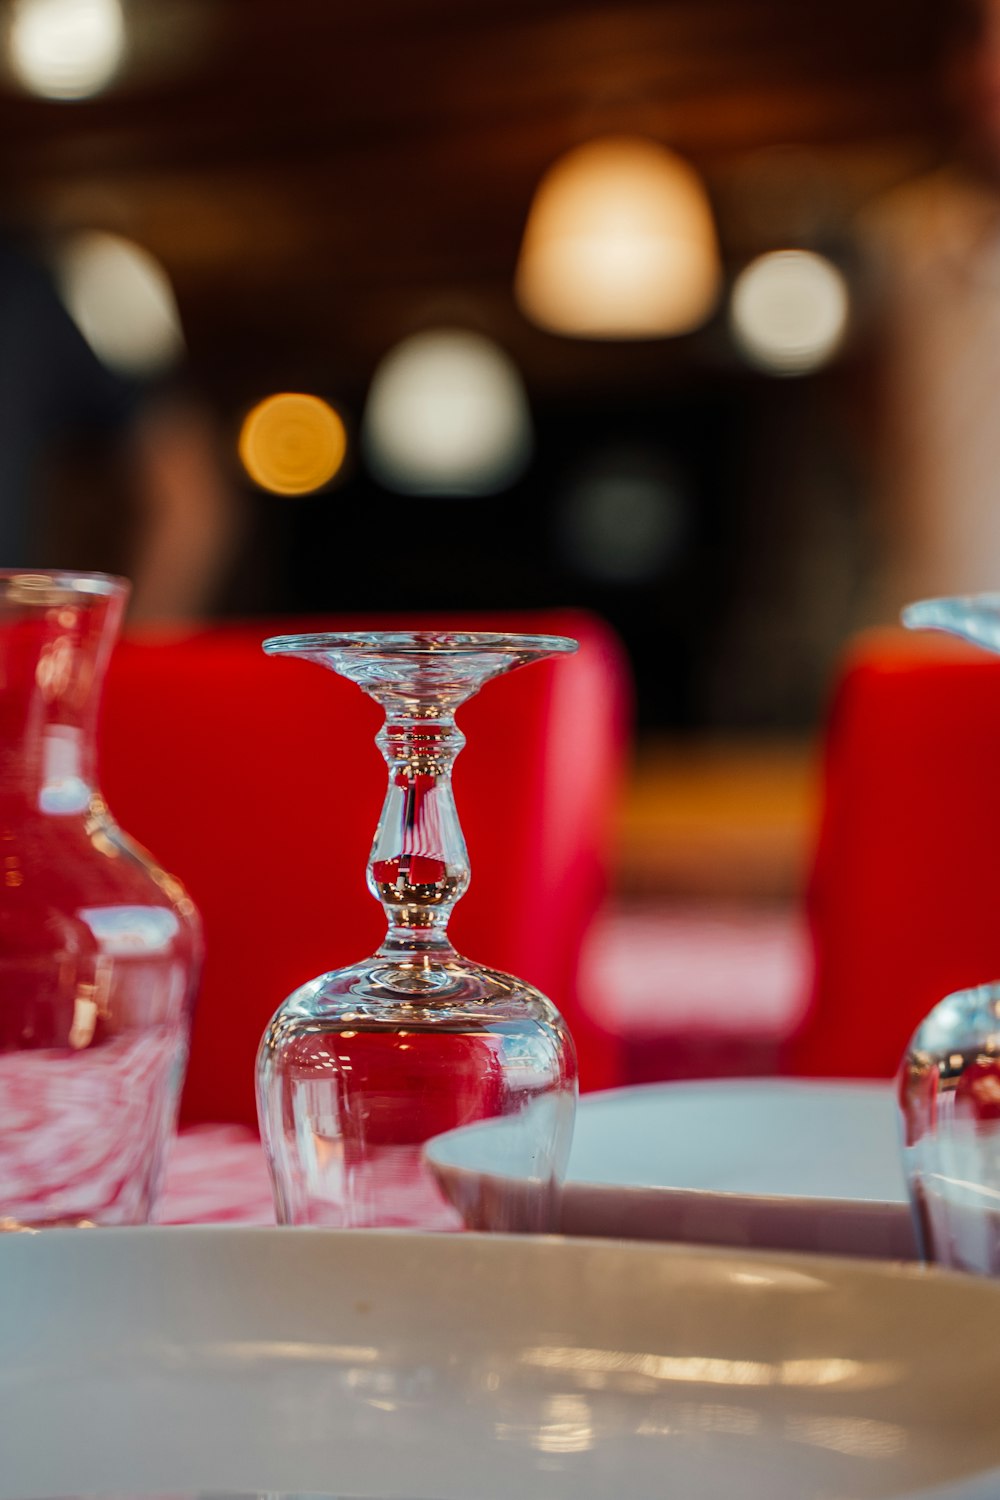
<point>99,948</point>
<point>361,1067</point>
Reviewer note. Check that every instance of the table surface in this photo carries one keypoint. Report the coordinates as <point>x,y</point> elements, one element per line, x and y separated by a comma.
<point>216,1174</point>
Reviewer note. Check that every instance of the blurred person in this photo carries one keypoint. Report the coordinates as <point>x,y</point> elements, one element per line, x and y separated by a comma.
<point>188,522</point>
<point>936,245</point>
<point>100,472</point>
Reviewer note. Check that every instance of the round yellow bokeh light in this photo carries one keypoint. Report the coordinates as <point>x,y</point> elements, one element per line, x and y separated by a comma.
<point>292,444</point>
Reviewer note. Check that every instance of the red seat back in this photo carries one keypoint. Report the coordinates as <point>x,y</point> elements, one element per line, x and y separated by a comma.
<point>257,783</point>
<point>905,893</point>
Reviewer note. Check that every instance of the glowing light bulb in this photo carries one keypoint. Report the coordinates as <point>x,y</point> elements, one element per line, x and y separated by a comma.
<point>66,49</point>
<point>789,311</point>
<point>121,300</point>
<point>620,244</point>
<point>447,414</point>
<point>292,444</point>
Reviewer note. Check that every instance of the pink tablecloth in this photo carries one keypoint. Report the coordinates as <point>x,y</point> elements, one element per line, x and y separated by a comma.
<point>216,1175</point>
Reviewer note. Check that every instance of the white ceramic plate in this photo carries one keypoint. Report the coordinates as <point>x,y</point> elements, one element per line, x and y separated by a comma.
<point>225,1361</point>
<point>769,1163</point>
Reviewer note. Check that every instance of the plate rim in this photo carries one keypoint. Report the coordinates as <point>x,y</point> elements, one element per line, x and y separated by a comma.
<point>574,1187</point>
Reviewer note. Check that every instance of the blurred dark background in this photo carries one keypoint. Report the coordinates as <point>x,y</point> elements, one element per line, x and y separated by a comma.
<point>320,181</point>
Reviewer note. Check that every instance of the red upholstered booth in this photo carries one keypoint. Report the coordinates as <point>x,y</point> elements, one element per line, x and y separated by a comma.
<point>257,782</point>
<point>905,893</point>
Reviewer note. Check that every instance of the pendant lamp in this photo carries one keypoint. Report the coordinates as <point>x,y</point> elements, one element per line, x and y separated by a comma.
<point>447,414</point>
<point>620,244</point>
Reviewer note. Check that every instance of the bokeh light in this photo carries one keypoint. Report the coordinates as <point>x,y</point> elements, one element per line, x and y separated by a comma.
<point>66,49</point>
<point>622,521</point>
<point>292,443</point>
<point>620,244</point>
<point>121,300</point>
<point>789,311</point>
<point>447,414</point>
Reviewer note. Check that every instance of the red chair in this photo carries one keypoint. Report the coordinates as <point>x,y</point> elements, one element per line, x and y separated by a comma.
<point>257,782</point>
<point>904,900</point>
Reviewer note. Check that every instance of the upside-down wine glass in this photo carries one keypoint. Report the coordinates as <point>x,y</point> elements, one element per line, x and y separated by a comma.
<point>362,1066</point>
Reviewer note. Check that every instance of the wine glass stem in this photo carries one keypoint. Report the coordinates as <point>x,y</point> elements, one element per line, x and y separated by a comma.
<point>419,866</point>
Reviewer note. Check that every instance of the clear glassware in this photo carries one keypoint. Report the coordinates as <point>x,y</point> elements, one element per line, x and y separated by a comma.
<point>950,1102</point>
<point>949,1080</point>
<point>99,949</point>
<point>360,1067</point>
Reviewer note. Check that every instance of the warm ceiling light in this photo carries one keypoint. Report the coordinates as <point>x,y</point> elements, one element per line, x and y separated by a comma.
<point>120,298</point>
<point>447,415</point>
<point>620,244</point>
<point>789,311</point>
<point>66,49</point>
<point>292,444</point>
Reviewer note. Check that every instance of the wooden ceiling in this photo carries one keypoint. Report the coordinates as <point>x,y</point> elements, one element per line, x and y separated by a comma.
<point>320,178</point>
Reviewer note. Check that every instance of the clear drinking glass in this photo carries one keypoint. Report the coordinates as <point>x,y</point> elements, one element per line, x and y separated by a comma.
<point>949,1081</point>
<point>950,1101</point>
<point>100,950</point>
<point>361,1067</point>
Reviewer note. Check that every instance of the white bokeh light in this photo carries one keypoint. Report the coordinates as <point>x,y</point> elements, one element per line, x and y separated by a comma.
<point>447,414</point>
<point>121,300</point>
<point>66,49</point>
<point>789,311</point>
